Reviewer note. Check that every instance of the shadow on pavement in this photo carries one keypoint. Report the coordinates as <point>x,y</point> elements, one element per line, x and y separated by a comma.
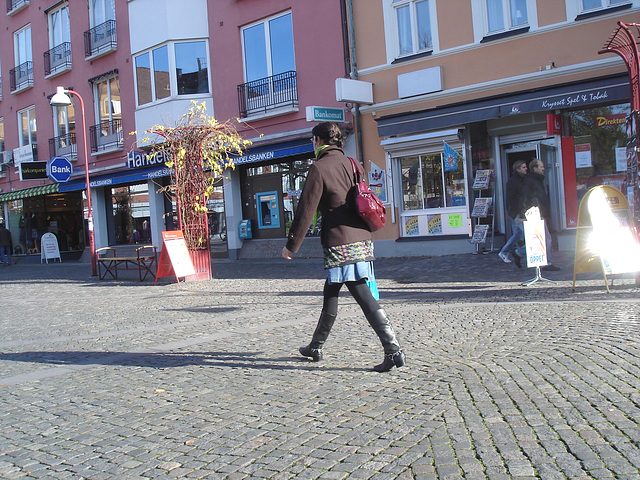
<point>250,360</point>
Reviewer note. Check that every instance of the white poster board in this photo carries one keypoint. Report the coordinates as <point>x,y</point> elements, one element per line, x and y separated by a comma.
<point>536,243</point>
<point>49,247</point>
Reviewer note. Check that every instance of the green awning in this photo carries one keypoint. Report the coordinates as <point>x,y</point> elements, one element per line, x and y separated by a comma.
<point>29,192</point>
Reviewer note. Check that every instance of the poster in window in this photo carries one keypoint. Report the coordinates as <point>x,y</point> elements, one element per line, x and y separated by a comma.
<point>434,223</point>
<point>583,155</point>
<point>450,158</point>
<point>378,182</point>
<point>411,226</point>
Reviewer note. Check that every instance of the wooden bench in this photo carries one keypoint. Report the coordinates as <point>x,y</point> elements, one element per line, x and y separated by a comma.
<point>109,259</point>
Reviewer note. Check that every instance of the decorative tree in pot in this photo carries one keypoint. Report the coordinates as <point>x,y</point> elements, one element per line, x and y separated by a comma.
<point>199,149</point>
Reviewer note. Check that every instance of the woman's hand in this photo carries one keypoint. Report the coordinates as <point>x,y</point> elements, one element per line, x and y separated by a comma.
<point>286,253</point>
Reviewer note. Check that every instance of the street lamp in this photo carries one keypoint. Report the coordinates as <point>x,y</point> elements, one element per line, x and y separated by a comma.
<point>62,99</point>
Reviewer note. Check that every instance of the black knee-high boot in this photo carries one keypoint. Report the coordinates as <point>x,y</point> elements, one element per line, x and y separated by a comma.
<point>393,354</point>
<point>314,349</point>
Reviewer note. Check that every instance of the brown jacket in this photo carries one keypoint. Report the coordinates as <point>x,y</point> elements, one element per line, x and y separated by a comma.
<point>329,187</point>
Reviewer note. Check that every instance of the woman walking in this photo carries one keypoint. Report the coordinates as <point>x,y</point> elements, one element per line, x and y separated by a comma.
<point>348,248</point>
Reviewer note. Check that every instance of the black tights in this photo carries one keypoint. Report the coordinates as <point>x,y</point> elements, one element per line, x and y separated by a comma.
<point>359,290</point>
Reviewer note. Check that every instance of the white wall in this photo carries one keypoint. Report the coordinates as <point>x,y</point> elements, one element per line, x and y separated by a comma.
<point>152,22</point>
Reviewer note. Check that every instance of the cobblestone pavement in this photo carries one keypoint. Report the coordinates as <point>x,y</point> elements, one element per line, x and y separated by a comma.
<point>126,380</point>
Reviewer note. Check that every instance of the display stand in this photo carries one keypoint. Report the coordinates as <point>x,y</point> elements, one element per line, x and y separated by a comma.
<point>174,258</point>
<point>536,245</point>
<point>49,248</point>
<point>483,209</point>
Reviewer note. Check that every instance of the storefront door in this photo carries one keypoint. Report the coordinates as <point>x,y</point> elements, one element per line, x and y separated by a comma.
<point>545,151</point>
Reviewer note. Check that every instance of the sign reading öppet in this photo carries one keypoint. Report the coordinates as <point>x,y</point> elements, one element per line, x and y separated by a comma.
<point>59,169</point>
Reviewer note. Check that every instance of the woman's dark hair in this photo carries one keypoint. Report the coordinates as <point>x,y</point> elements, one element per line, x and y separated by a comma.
<point>329,133</point>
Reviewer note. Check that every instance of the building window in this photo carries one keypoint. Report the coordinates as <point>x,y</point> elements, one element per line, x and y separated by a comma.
<point>1,137</point>
<point>27,126</point>
<point>107,134</point>
<point>64,141</point>
<point>268,48</point>
<point>59,29</point>
<point>191,68</point>
<point>187,59</point>
<point>504,15</point>
<point>101,11</point>
<point>413,22</point>
<point>22,46</point>
<point>428,183</point>
<point>596,4</point>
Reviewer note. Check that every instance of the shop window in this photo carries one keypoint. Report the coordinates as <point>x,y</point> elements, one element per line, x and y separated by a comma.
<point>428,183</point>
<point>131,214</point>
<point>599,137</point>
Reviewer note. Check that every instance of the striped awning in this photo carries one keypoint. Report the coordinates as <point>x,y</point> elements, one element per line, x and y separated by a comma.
<point>29,192</point>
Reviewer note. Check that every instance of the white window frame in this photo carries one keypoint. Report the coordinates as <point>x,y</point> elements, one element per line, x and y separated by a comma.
<point>62,32</point>
<point>506,13</point>
<point>604,4</point>
<point>415,43</point>
<point>173,80</point>
<point>23,46</point>
<point>265,22</point>
<point>391,28</point>
<point>31,119</point>
<point>101,11</point>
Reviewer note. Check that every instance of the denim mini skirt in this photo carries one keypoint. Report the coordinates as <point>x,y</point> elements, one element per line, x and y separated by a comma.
<point>351,272</point>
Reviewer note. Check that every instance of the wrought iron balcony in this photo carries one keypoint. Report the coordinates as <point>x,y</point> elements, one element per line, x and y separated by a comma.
<point>101,39</point>
<point>14,6</point>
<point>64,146</point>
<point>21,76</point>
<point>268,94</point>
<point>58,59</point>
<point>106,136</point>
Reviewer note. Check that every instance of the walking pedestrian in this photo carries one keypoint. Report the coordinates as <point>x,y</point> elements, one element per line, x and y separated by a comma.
<point>514,194</point>
<point>348,248</point>
<point>6,245</point>
<point>536,194</point>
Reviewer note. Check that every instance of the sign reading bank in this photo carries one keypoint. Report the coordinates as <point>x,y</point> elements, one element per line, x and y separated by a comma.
<point>59,169</point>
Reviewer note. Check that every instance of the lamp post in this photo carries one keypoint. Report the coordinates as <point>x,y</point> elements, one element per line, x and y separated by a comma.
<point>62,99</point>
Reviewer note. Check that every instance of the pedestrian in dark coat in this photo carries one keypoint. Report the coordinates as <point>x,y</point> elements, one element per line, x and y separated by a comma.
<point>348,248</point>
<point>6,245</point>
<point>515,192</point>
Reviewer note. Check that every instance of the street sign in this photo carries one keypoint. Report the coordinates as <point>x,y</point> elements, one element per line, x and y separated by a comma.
<point>59,169</point>
<point>325,114</point>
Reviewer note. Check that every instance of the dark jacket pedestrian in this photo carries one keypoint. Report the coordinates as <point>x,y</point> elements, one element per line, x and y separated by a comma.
<point>347,243</point>
<point>6,245</point>
<point>515,209</point>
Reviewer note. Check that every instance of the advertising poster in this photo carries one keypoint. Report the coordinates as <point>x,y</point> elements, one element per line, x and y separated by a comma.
<point>535,241</point>
<point>434,223</point>
<point>378,182</point>
<point>411,226</point>
<point>583,155</point>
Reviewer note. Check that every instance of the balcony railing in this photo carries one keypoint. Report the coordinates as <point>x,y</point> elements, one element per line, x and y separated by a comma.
<point>106,136</point>
<point>58,59</point>
<point>21,77</point>
<point>14,6</point>
<point>101,39</point>
<point>267,94</point>
<point>64,146</point>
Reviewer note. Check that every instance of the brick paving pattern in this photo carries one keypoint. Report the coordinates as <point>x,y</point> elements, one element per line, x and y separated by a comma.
<point>126,380</point>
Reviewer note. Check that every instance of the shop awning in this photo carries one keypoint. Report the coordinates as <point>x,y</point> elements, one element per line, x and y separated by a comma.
<point>571,95</point>
<point>272,151</point>
<point>123,176</point>
<point>29,192</point>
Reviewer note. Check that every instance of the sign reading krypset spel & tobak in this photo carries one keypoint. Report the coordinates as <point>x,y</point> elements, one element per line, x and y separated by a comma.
<point>59,169</point>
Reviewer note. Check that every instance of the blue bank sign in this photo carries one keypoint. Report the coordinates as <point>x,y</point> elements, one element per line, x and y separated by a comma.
<point>59,169</point>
